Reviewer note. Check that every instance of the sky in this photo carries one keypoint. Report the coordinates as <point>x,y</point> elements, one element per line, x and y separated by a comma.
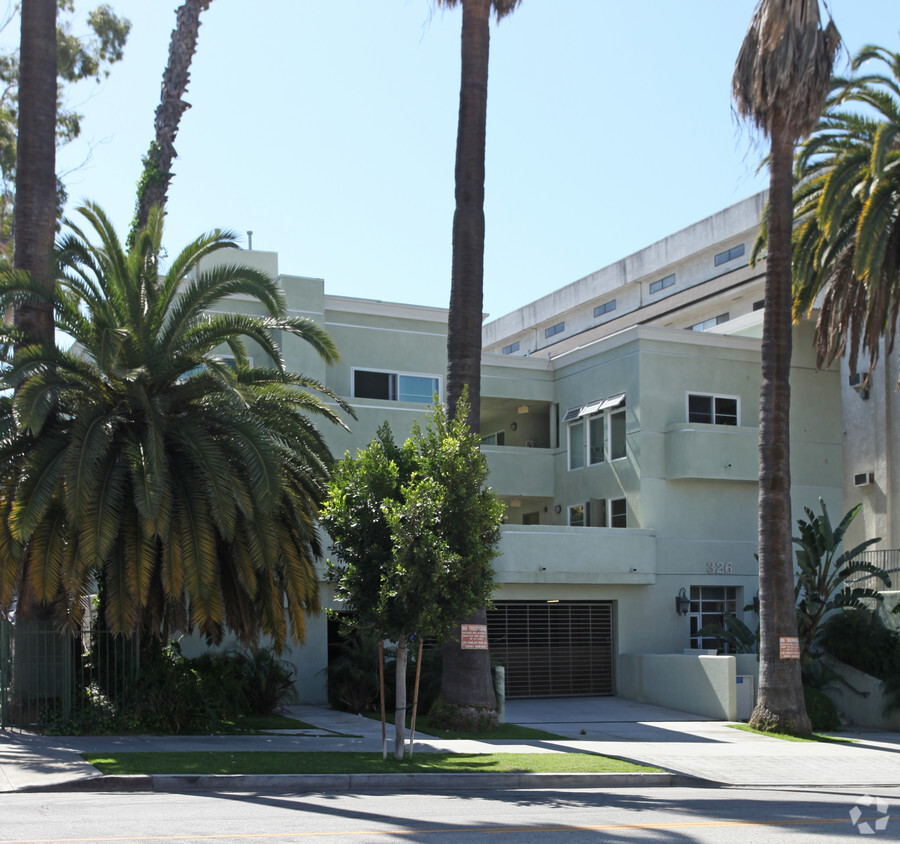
<point>329,130</point>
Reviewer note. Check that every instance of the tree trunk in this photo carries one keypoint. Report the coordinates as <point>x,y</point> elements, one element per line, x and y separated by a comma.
<point>466,675</point>
<point>35,207</point>
<point>467,274</point>
<point>780,706</point>
<point>154,185</point>
<point>400,693</point>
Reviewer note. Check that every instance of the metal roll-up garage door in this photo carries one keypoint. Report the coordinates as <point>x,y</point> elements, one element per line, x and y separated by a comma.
<point>553,649</point>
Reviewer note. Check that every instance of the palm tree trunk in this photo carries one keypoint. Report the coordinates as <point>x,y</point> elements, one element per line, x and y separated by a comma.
<point>154,185</point>
<point>781,704</point>
<point>467,273</point>
<point>466,675</point>
<point>35,208</point>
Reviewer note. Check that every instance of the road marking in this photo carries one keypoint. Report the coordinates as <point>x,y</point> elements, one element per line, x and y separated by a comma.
<point>445,830</point>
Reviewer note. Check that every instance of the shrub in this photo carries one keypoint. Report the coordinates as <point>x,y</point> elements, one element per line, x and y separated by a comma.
<point>860,639</point>
<point>821,710</point>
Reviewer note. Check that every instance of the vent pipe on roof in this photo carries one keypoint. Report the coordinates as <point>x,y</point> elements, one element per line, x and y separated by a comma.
<point>250,240</point>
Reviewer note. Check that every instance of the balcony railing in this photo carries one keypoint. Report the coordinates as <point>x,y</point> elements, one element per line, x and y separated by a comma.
<point>887,561</point>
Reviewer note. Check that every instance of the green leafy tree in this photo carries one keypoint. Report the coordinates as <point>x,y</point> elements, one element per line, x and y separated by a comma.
<point>466,677</point>
<point>847,213</point>
<point>824,576</point>
<point>414,531</point>
<point>77,58</point>
<point>141,456</point>
<point>780,82</point>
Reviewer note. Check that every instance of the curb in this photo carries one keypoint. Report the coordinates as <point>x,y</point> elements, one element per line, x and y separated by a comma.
<point>362,782</point>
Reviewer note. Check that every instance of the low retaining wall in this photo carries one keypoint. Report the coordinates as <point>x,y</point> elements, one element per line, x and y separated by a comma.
<point>865,705</point>
<point>703,685</point>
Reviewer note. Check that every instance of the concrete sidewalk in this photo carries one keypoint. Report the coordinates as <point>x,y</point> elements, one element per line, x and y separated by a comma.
<point>684,744</point>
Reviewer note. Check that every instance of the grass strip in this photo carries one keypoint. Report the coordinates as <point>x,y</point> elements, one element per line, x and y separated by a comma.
<point>821,737</point>
<point>502,731</point>
<point>324,762</point>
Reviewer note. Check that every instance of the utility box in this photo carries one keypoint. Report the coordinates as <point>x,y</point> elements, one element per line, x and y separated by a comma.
<point>746,696</point>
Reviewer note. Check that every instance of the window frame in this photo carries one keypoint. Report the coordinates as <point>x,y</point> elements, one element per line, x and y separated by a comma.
<point>579,422</point>
<point>662,283</point>
<point>605,308</point>
<point>569,510</point>
<point>511,349</point>
<point>712,322</point>
<point>731,254</point>
<point>713,414</point>
<point>696,612</point>
<point>553,330</point>
<point>397,375</point>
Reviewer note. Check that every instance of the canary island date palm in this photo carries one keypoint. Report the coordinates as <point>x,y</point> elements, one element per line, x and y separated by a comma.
<point>466,678</point>
<point>847,212</point>
<point>144,458</point>
<point>780,83</point>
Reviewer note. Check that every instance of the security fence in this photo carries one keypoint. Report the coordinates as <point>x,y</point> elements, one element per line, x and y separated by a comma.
<point>888,561</point>
<point>48,677</point>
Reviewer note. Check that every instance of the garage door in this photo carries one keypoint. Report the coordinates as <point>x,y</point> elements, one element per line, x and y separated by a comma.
<point>563,648</point>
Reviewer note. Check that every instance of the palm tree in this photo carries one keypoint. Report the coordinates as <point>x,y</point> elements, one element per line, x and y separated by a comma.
<point>35,208</point>
<point>466,677</point>
<point>154,184</point>
<point>780,82</point>
<point>189,483</point>
<point>847,210</point>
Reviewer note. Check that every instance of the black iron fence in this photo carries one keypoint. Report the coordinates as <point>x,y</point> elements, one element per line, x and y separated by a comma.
<point>888,561</point>
<point>49,677</point>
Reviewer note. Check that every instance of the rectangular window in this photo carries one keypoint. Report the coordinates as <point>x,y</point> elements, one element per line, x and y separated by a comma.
<point>605,308</point>
<point>395,386</point>
<point>708,606</point>
<point>729,255</point>
<point>512,347</point>
<point>759,304</point>
<point>576,515</point>
<point>713,410</point>
<point>555,329</point>
<point>712,322</point>
<point>494,439</point>
<point>617,435</point>
<point>662,284</point>
<point>576,445</point>
<point>596,439</point>
<point>617,513</point>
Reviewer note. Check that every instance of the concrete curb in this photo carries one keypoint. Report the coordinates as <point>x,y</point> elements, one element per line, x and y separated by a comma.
<point>363,782</point>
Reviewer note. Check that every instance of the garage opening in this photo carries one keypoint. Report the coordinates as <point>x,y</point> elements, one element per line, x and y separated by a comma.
<point>554,649</point>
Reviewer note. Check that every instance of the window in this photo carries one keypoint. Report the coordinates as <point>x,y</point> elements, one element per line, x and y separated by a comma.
<point>576,445</point>
<point>555,329</point>
<point>708,605</point>
<point>759,304</point>
<point>576,515</point>
<point>617,435</point>
<point>662,284</point>
<point>596,438</point>
<point>605,308</point>
<point>617,513</point>
<point>512,347</point>
<point>712,322</point>
<point>494,439</point>
<point>714,410</point>
<point>729,255</point>
<point>395,386</point>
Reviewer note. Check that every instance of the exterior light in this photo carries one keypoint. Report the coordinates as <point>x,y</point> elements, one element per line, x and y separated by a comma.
<point>682,603</point>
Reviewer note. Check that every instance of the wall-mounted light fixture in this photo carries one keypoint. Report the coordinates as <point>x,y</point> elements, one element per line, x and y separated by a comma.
<point>514,426</point>
<point>682,603</point>
<point>557,509</point>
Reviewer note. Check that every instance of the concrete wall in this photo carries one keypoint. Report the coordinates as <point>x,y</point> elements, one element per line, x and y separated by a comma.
<point>863,703</point>
<point>703,685</point>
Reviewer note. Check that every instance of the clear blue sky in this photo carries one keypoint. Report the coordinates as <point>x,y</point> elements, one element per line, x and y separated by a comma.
<point>329,129</point>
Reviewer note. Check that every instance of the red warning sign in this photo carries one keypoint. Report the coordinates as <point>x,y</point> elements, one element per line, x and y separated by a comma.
<point>789,647</point>
<point>474,637</point>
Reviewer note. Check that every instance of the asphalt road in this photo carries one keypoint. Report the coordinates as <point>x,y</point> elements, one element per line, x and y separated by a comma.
<point>665,814</point>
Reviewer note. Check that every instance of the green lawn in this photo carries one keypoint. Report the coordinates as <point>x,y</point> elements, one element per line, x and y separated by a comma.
<point>218,762</point>
<point>502,731</point>
<point>822,737</point>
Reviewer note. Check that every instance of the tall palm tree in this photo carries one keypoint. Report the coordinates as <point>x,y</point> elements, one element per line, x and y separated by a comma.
<point>154,184</point>
<point>35,209</point>
<point>466,677</point>
<point>847,212</point>
<point>780,82</point>
<point>189,482</point>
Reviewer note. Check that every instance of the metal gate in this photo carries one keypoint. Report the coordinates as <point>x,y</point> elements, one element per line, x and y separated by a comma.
<point>554,649</point>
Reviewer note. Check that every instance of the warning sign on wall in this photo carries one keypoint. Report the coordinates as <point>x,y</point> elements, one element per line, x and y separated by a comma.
<point>474,637</point>
<point>789,647</point>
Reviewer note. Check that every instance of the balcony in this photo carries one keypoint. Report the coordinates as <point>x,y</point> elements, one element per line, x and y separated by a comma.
<point>712,452</point>
<point>554,555</point>
<point>522,472</point>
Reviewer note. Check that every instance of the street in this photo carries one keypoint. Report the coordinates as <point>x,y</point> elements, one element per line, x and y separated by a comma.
<point>718,815</point>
